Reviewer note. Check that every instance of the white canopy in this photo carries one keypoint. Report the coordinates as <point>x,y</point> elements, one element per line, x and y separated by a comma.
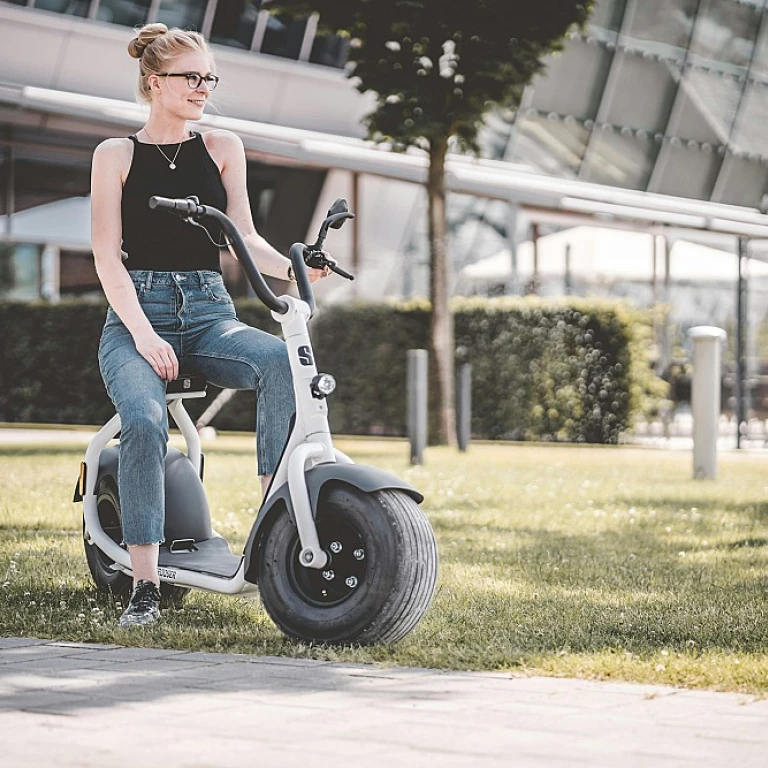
<point>66,223</point>
<point>606,255</point>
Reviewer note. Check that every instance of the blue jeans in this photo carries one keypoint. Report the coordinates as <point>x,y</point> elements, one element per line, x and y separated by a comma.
<point>193,312</point>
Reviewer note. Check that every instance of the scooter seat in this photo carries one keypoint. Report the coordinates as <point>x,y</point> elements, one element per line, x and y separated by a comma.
<point>186,385</point>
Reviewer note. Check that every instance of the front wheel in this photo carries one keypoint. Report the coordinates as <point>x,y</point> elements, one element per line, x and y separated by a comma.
<point>379,580</point>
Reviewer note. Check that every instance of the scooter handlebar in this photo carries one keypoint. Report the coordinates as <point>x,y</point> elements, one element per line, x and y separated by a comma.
<point>190,208</point>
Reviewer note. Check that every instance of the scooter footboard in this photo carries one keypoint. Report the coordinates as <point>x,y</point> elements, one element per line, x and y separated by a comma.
<point>364,478</point>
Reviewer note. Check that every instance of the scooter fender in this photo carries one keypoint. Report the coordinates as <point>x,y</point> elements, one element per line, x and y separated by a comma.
<point>364,478</point>
<point>187,515</point>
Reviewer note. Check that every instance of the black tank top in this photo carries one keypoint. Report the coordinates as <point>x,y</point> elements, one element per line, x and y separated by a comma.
<point>158,240</point>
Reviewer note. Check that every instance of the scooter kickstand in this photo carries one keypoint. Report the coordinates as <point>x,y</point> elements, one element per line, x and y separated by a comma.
<point>311,555</point>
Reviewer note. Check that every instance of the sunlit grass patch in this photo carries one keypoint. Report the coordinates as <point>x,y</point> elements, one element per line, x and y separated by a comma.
<point>590,562</point>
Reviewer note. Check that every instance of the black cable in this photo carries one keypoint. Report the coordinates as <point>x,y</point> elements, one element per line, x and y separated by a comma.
<point>227,242</point>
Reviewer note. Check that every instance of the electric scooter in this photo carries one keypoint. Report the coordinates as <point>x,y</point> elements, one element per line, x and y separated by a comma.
<point>338,552</point>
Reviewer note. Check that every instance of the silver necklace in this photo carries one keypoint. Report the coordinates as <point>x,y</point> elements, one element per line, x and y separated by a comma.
<point>171,163</point>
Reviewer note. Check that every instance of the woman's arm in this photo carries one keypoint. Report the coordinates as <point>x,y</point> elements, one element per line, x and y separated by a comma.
<point>111,161</point>
<point>227,150</point>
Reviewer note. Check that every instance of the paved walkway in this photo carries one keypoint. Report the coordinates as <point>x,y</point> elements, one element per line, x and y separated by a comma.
<point>98,706</point>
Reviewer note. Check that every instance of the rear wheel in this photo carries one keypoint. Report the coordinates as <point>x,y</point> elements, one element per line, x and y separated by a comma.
<point>106,578</point>
<point>379,580</point>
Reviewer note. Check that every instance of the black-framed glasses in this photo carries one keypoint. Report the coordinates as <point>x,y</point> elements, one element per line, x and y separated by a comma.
<point>194,80</point>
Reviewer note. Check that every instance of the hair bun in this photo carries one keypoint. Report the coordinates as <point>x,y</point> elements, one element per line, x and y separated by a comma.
<point>145,37</point>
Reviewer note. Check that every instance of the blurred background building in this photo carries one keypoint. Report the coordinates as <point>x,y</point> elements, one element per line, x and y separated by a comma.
<point>662,102</point>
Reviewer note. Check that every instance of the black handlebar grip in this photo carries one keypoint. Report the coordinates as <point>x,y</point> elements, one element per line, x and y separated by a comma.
<point>181,206</point>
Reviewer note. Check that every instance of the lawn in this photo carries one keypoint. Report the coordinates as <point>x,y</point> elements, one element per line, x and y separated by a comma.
<point>557,560</point>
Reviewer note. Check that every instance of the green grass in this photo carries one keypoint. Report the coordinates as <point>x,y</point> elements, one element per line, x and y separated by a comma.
<point>583,562</point>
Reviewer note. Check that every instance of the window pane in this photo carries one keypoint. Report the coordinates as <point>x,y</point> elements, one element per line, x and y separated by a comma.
<point>129,13</point>
<point>284,36</point>
<point>750,134</point>
<point>760,60</point>
<point>234,23</point>
<point>554,146</point>
<point>607,16</point>
<point>661,26</point>
<point>623,161</point>
<point>724,34</point>
<point>688,172</point>
<point>643,94</point>
<point>185,14</point>
<point>70,7</point>
<point>330,50</point>
<point>744,182</point>
<point>19,271</point>
<point>712,104</point>
<point>573,82</point>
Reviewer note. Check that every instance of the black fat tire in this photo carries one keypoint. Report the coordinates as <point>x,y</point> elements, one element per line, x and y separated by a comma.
<point>106,579</point>
<point>395,587</point>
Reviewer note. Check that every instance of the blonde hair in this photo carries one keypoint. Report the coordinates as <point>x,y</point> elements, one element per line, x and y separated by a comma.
<point>155,46</point>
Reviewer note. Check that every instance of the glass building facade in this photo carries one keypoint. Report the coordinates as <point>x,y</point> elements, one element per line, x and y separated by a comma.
<point>663,96</point>
<point>242,24</point>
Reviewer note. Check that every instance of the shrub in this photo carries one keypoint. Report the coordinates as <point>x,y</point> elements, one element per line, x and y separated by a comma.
<point>552,370</point>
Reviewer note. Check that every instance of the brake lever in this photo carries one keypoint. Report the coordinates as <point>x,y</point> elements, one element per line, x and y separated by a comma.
<point>340,272</point>
<point>318,260</point>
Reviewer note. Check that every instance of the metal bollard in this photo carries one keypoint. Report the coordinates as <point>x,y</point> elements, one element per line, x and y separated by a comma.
<point>417,403</point>
<point>464,405</point>
<point>705,398</point>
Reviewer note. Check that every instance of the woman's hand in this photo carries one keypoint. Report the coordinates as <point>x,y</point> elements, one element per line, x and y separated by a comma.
<point>159,354</point>
<point>317,274</point>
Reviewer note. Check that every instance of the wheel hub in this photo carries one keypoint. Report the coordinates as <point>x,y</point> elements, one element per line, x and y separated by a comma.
<point>343,573</point>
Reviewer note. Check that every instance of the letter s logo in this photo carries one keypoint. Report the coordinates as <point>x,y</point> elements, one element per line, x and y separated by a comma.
<point>305,355</point>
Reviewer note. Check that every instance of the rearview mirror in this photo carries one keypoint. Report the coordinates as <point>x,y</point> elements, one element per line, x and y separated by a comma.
<point>340,206</point>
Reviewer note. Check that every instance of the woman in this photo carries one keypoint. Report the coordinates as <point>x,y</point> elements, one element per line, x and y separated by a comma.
<point>162,278</point>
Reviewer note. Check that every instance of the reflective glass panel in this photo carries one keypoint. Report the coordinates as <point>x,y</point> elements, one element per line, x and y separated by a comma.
<point>330,50</point>
<point>750,133</point>
<point>661,26</point>
<point>743,182</point>
<point>687,172</point>
<point>608,14</point>
<point>284,36</point>
<point>129,13</point>
<point>622,161</point>
<point>185,14</point>
<point>760,56</point>
<point>554,146</point>
<point>724,34</point>
<point>19,271</point>
<point>711,106</point>
<point>643,93</point>
<point>70,7</point>
<point>234,23</point>
<point>573,82</point>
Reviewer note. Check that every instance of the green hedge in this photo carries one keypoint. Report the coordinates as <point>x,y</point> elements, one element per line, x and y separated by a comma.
<point>541,369</point>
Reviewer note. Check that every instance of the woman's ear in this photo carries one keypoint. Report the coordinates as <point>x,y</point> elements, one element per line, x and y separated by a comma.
<point>153,81</point>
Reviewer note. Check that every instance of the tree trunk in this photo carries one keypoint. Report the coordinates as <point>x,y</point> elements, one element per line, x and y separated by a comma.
<point>441,350</point>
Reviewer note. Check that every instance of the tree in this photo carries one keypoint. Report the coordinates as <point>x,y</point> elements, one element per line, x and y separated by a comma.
<point>437,68</point>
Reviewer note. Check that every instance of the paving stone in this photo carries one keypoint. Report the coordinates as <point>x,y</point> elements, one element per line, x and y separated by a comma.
<point>19,642</point>
<point>69,705</point>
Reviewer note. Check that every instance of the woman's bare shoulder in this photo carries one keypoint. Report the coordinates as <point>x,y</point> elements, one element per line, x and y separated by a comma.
<point>223,145</point>
<point>114,152</point>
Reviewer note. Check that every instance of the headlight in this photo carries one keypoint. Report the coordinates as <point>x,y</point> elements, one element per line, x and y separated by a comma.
<point>322,385</point>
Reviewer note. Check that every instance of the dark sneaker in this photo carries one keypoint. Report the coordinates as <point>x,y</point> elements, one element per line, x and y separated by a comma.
<point>144,607</point>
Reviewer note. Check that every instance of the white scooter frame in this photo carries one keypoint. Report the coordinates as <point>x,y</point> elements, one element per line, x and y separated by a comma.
<point>374,513</point>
